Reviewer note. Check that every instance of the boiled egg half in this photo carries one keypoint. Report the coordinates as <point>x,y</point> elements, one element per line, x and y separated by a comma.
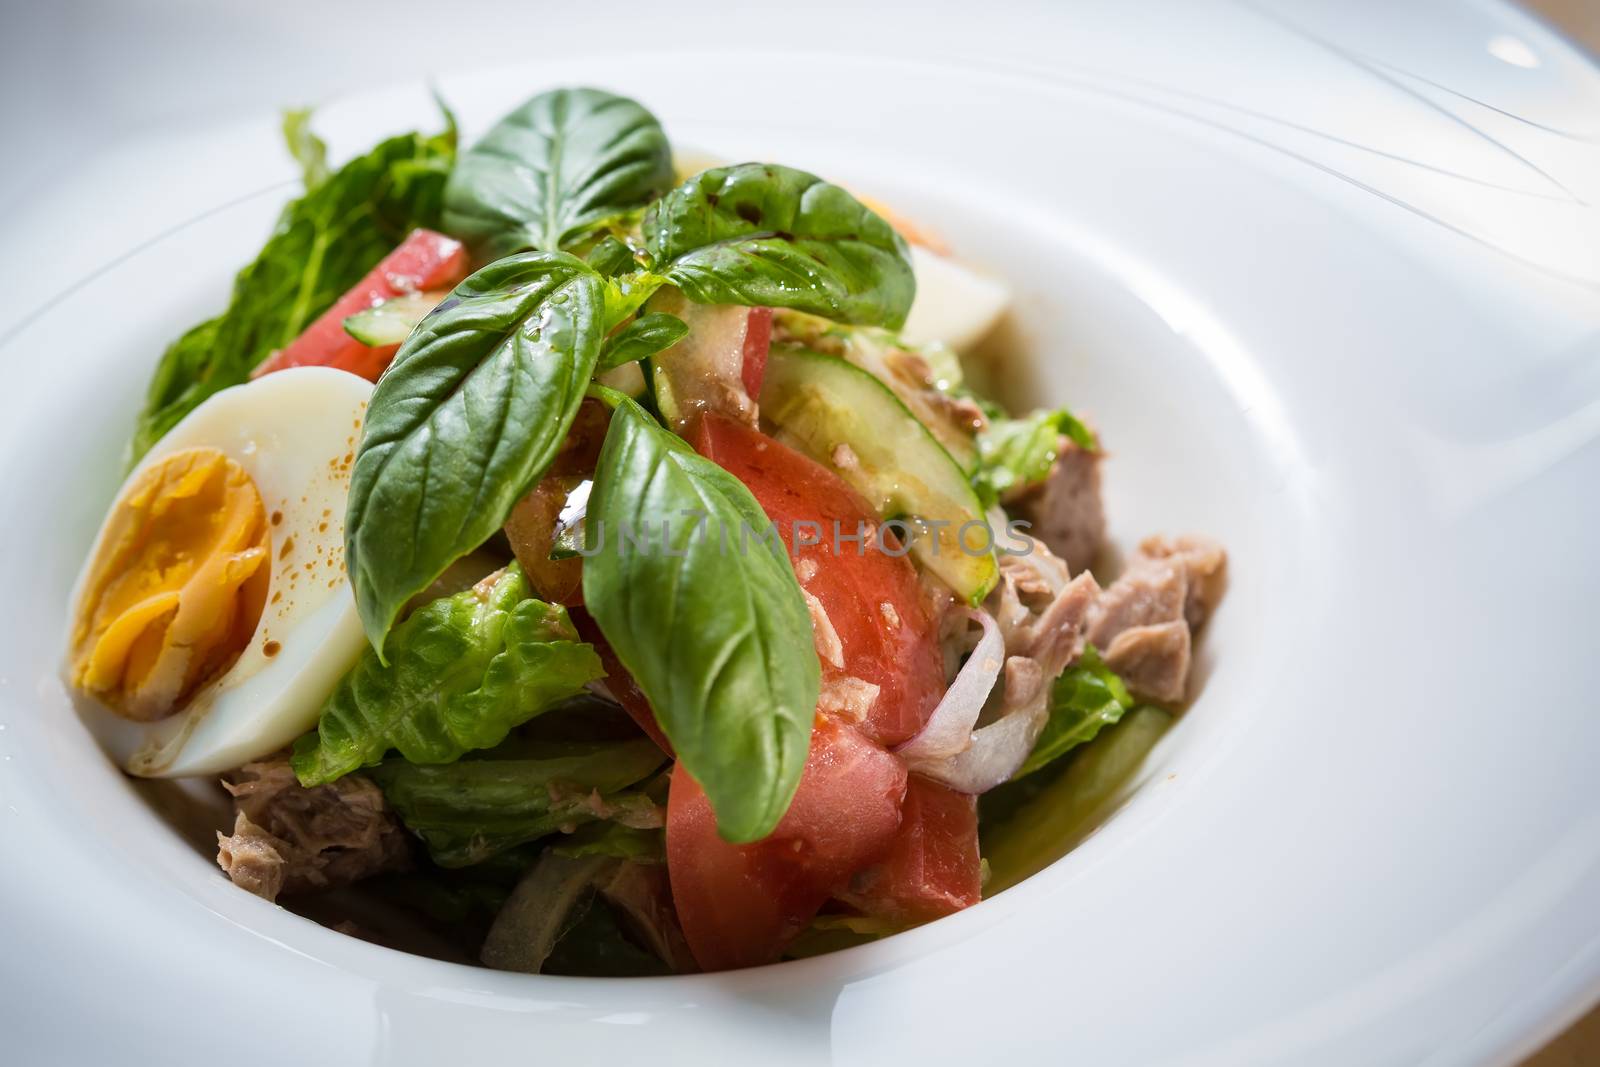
<point>213,616</point>
<point>955,304</point>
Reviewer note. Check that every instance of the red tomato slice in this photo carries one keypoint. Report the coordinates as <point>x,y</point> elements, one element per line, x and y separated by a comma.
<point>424,260</point>
<point>739,905</point>
<point>757,342</point>
<point>933,867</point>
<point>872,599</point>
<point>618,681</point>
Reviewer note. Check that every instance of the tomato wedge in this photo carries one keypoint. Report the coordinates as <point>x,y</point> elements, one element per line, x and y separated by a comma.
<point>531,525</point>
<point>739,905</point>
<point>618,681</point>
<point>424,260</point>
<point>933,867</point>
<point>872,599</point>
<point>757,342</point>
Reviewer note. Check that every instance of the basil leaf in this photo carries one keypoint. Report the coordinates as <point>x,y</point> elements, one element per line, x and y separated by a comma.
<point>770,236</point>
<point>610,257</point>
<point>463,671</point>
<point>713,629</point>
<point>323,244</point>
<point>643,338</point>
<point>1017,453</point>
<point>469,415</point>
<point>554,170</point>
<point>1086,697</point>
<point>468,811</point>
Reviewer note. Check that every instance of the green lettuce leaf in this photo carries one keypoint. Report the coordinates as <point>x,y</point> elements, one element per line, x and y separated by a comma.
<point>556,169</point>
<point>1027,825</point>
<point>770,236</point>
<point>324,242</point>
<point>463,671</point>
<point>470,810</point>
<point>306,147</point>
<point>831,933</point>
<point>1017,453</point>
<point>1085,698</point>
<point>615,840</point>
<point>714,630</point>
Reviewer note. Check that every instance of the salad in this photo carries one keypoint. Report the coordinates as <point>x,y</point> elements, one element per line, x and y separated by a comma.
<point>583,567</point>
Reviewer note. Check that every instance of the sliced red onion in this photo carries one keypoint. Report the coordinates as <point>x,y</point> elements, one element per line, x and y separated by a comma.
<point>949,729</point>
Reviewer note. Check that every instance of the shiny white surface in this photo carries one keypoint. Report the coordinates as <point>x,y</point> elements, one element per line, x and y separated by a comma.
<point>1322,307</point>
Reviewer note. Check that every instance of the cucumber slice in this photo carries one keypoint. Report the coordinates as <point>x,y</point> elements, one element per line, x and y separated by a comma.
<point>824,402</point>
<point>627,379</point>
<point>1051,823</point>
<point>392,321</point>
<point>893,361</point>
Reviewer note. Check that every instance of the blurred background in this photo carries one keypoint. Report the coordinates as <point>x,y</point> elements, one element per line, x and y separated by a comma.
<point>1579,19</point>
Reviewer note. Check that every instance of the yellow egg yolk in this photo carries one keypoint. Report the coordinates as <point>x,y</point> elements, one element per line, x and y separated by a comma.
<point>177,587</point>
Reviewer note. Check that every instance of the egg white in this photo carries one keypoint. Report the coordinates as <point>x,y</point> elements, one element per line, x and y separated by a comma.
<point>954,304</point>
<point>295,434</point>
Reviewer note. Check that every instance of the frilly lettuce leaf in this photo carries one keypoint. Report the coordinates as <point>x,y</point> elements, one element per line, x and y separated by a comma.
<point>641,845</point>
<point>306,147</point>
<point>1017,453</point>
<point>463,671</point>
<point>468,811</point>
<point>325,241</point>
<point>830,933</point>
<point>1086,697</point>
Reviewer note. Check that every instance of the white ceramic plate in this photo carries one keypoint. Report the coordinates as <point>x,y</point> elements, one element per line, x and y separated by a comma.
<point>1334,299</point>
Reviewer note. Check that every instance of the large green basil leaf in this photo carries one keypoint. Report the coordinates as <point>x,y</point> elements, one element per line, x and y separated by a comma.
<point>554,170</point>
<point>1085,698</point>
<point>324,243</point>
<point>710,621</point>
<point>468,811</point>
<point>469,415</point>
<point>462,671</point>
<point>771,236</point>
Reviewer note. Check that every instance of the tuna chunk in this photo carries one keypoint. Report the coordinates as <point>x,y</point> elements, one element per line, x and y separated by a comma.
<point>1040,612</point>
<point>1204,565</point>
<point>289,839</point>
<point>1065,509</point>
<point>1144,621</point>
<point>253,858</point>
<point>1149,592</point>
<point>1153,660</point>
